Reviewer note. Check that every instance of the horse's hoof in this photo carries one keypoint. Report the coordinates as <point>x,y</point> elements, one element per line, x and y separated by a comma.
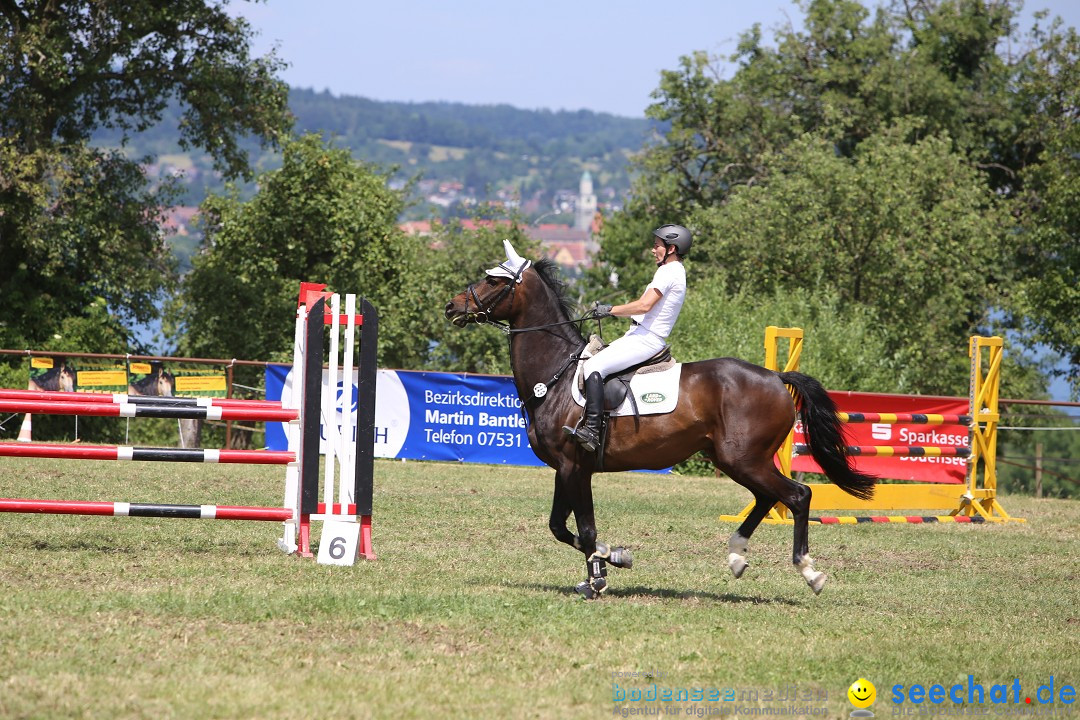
<point>620,557</point>
<point>817,582</point>
<point>738,565</point>
<point>586,590</point>
<point>591,589</point>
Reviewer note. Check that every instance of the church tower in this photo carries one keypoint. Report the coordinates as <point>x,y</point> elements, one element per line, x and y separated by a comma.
<point>586,203</point>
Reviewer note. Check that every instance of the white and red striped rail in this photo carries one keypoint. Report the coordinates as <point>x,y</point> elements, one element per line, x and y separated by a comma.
<point>120,452</point>
<point>350,452</point>
<point>131,410</point>
<point>125,509</point>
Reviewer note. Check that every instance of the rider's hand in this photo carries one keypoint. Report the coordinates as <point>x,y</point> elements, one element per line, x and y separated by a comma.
<point>601,310</point>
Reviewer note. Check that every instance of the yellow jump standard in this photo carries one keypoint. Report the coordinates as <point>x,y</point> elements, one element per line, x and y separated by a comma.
<point>975,501</point>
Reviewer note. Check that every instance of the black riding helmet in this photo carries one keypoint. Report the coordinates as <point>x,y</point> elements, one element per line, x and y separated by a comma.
<point>677,236</point>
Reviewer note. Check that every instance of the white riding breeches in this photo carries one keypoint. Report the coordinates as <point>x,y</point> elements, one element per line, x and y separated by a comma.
<point>636,346</point>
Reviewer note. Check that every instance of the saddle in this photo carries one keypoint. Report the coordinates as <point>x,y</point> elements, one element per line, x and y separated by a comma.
<point>617,386</point>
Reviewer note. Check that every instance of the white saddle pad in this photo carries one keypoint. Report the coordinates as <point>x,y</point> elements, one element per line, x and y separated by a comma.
<point>656,392</point>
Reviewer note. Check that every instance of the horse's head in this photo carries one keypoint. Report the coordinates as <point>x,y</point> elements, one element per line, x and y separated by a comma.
<point>493,297</point>
<point>165,383</point>
<point>67,378</point>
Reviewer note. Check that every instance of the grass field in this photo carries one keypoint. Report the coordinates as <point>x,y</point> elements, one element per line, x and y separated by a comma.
<point>468,612</point>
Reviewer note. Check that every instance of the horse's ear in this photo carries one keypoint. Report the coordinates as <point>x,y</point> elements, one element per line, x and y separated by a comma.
<point>512,257</point>
<point>515,261</point>
<point>514,265</point>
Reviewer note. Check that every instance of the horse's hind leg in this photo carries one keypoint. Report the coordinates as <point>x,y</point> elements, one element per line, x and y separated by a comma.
<point>800,554</point>
<point>796,497</point>
<point>768,486</point>
<point>737,543</point>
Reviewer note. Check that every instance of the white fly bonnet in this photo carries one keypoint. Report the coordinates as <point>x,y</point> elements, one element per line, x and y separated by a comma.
<point>513,267</point>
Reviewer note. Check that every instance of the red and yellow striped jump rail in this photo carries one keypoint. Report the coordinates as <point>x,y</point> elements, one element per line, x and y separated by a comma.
<point>897,450</point>
<point>904,418</point>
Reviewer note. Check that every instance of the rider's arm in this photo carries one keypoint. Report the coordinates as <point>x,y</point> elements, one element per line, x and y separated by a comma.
<point>640,306</point>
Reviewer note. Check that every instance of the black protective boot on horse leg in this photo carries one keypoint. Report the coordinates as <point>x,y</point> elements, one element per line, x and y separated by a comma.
<point>587,433</point>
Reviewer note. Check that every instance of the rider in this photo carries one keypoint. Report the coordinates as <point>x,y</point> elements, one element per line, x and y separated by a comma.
<point>652,316</point>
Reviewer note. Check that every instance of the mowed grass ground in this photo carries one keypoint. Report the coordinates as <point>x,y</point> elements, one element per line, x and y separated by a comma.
<point>468,612</point>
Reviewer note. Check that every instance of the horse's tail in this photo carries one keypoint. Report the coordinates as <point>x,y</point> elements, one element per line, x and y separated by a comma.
<point>825,435</point>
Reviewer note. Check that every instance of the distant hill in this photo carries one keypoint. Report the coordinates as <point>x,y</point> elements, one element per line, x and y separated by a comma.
<point>484,152</point>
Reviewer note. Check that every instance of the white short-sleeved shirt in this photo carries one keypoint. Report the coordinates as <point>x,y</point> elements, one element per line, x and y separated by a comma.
<point>670,281</point>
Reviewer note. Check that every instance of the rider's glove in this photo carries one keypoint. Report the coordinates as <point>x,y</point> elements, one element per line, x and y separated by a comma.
<point>601,310</point>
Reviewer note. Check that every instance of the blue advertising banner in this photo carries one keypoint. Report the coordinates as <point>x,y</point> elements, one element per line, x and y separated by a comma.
<point>469,418</point>
<point>430,416</point>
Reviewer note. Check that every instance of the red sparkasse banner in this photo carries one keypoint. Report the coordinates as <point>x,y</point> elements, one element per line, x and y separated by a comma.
<point>921,469</point>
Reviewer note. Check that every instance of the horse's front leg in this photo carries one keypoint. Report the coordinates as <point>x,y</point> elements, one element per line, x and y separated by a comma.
<point>560,513</point>
<point>578,487</point>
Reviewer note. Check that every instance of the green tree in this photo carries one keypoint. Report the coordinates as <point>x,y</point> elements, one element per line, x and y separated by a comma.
<point>77,222</point>
<point>322,217</point>
<point>910,231</point>
<point>1047,297</point>
<point>909,160</point>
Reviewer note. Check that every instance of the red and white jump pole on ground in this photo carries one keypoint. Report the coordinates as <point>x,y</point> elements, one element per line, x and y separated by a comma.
<point>350,454</point>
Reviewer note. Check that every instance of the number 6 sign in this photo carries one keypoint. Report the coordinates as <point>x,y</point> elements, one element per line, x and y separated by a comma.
<point>338,543</point>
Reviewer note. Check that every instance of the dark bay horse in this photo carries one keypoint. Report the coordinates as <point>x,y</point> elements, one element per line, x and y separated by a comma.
<point>735,412</point>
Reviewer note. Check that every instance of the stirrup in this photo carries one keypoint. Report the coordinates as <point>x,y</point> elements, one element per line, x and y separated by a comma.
<point>583,436</point>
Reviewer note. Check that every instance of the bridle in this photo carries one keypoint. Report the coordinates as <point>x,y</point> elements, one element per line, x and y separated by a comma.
<point>482,316</point>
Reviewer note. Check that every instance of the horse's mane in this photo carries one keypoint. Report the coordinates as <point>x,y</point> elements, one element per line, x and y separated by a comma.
<point>548,270</point>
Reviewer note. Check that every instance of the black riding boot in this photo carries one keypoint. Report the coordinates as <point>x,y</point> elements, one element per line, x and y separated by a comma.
<point>587,433</point>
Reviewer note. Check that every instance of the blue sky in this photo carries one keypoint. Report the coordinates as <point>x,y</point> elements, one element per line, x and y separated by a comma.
<point>555,54</point>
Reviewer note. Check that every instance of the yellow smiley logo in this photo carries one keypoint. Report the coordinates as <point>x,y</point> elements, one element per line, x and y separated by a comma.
<point>862,693</point>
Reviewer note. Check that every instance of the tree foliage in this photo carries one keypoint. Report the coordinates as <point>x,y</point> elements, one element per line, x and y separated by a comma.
<point>325,217</point>
<point>917,160</point>
<point>77,222</point>
<point>1047,298</point>
<point>910,231</point>
<point>322,217</point>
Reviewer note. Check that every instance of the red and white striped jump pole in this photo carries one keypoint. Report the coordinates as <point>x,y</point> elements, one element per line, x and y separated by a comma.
<point>129,410</point>
<point>124,509</point>
<point>115,452</point>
